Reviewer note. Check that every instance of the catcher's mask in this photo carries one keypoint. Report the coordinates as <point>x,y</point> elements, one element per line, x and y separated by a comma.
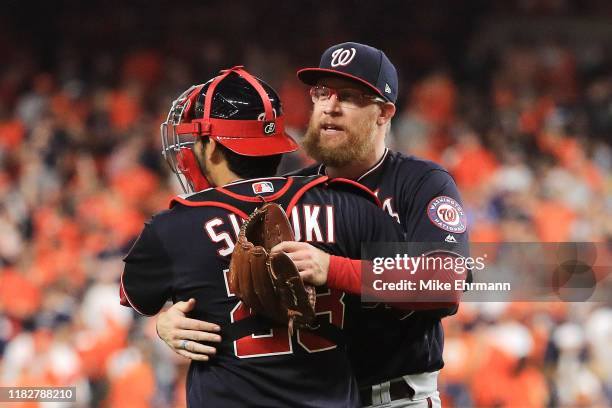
<point>241,112</point>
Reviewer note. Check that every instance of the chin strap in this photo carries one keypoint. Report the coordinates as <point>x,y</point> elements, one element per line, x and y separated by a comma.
<point>188,165</point>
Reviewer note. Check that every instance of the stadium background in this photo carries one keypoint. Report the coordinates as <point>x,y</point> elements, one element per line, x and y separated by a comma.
<point>513,97</point>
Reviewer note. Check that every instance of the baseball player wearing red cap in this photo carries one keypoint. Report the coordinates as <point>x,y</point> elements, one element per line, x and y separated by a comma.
<point>224,140</point>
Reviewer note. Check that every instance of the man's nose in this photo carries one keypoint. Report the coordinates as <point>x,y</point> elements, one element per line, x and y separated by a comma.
<point>332,104</point>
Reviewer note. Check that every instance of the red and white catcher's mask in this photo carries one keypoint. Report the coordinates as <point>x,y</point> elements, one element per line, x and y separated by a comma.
<point>241,117</point>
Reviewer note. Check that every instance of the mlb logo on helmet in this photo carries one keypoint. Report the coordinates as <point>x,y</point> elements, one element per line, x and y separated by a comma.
<point>263,187</point>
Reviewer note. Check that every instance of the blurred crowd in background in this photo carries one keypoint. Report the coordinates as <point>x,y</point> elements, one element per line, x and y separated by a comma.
<point>515,100</point>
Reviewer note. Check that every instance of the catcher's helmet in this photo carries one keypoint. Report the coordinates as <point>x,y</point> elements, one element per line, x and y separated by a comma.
<point>239,111</point>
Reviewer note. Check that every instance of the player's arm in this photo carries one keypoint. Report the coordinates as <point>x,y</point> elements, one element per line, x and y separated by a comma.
<point>437,212</point>
<point>146,285</point>
<point>146,282</point>
<point>318,267</point>
<point>437,216</point>
<point>437,222</point>
<point>366,224</point>
<point>359,220</point>
<point>183,334</point>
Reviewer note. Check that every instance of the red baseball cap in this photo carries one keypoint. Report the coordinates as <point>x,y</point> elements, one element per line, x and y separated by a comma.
<point>239,111</point>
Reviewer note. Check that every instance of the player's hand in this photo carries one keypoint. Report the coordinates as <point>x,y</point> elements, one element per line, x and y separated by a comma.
<point>183,334</point>
<point>312,263</point>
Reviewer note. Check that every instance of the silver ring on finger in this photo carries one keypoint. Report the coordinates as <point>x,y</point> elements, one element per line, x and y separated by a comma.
<point>184,345</point>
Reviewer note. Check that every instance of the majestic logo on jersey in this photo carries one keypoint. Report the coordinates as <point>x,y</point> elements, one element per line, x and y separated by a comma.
<point>263,187</point>
<point>342,57</point>
<point>447,214</point>
<point>450,238</point>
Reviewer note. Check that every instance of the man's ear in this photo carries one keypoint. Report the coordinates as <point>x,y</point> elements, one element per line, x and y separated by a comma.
<point>212,151</point>
<point>387,111</point>
<point>204,151</point>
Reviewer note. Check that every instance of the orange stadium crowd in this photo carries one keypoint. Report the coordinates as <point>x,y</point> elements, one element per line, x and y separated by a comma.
<point>81,170</point>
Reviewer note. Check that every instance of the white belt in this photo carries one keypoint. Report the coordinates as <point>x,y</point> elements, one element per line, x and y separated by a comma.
<point>424,384</point>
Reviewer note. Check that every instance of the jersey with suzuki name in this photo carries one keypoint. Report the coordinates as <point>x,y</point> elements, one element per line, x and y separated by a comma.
<point>422,197</point>
<point>184,252</point>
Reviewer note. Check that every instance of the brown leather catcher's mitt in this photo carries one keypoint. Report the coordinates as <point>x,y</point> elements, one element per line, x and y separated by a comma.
<point>270,284</point>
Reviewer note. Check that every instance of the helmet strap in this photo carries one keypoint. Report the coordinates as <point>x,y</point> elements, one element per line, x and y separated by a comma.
<point>188,165</point>
<point>239,69</point>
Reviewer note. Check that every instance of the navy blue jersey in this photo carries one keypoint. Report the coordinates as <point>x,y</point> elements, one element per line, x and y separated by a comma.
<point>422,197</point>
<point>184,252</point>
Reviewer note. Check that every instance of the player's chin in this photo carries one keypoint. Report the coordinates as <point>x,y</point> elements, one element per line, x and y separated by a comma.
<point>333,138</point>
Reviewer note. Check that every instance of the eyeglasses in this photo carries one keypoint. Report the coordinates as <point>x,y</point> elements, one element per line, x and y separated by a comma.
<point>347,97</point>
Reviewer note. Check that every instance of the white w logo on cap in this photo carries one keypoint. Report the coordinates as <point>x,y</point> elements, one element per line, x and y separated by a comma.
<point>342,56</point>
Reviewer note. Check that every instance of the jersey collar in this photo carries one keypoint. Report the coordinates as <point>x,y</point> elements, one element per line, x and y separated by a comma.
<point>240,181</point>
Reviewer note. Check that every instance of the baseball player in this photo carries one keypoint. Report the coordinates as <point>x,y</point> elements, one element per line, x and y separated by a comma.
<point>224,140</point>
<point>396,355</point>
<point>416,193</point>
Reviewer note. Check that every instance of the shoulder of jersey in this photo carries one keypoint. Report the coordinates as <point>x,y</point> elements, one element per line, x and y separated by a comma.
<point>304,177</point>
<point>197,196</point>
<point>354,188</point>
<point>161,217</point>
<point>414,165</point>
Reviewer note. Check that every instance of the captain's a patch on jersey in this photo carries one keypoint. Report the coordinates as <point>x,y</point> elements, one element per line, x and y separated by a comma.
<point>263,187</point>
<point>446,213</point>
